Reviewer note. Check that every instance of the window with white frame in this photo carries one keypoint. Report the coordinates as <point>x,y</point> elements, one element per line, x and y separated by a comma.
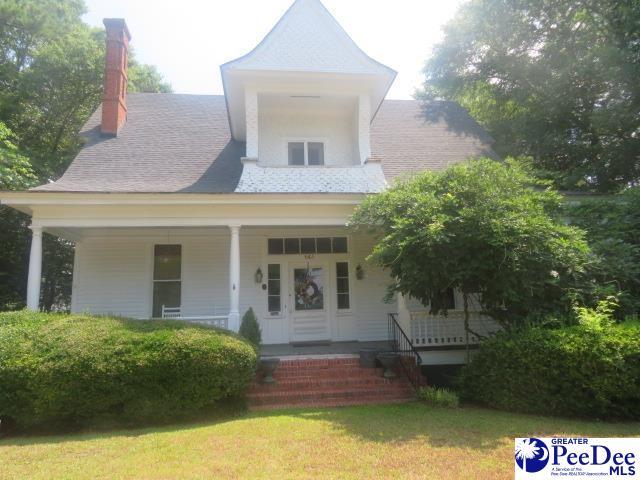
<point>167,277</point>
<point>273,289</point>
<point>306,153</point>
<point>297,246</point>
<point>342,284</point>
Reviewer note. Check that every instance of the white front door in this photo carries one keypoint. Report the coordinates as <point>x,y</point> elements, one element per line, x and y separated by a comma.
<point>308,308</point>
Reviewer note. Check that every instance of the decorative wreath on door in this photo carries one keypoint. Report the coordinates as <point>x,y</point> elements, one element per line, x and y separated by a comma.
<point>308,293</point>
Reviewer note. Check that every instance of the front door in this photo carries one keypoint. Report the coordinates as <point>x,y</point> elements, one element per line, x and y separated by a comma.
<point>308,309</point>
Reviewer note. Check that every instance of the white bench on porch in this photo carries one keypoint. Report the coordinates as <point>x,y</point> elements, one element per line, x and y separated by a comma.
<point>218,319</point>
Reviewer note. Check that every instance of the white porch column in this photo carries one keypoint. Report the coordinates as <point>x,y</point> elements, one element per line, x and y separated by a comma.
<point>234,279</point>
<point>35,269</point>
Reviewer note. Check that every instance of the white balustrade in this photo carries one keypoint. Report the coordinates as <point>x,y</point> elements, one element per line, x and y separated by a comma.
<point>429,330</point>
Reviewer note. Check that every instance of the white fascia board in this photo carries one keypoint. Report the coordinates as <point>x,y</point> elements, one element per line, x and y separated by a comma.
<point>27,198</point>
<point>179,222</point>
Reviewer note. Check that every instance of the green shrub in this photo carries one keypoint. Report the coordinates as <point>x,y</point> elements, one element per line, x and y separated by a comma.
<point>439,397</point>
<point>72,370</point>
<point>250,329</point>
<point>591,370</point>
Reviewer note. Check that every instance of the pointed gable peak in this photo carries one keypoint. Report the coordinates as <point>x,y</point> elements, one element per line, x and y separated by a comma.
<point>308,39</point>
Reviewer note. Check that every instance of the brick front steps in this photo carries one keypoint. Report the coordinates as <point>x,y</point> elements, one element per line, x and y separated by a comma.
<point>327,382</point>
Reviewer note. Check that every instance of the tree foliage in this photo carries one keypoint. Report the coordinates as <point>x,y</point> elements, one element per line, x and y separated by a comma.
<point>613,231</point>
<point>51,80</point>
<point>483,227</point>
<point>145,78</point>
<point>556,80</point>
<point>16,172</point>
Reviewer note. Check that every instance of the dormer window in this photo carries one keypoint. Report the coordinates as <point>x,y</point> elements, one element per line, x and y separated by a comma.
<point>306,153</point>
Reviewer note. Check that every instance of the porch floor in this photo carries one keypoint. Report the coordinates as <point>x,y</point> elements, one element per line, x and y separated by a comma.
<point>333,349</point>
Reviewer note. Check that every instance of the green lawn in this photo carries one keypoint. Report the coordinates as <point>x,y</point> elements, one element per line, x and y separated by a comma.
<point>394,441</point>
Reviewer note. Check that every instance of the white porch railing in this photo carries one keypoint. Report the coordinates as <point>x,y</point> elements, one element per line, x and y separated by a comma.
<point>218,319</point>
<point>437,330</point>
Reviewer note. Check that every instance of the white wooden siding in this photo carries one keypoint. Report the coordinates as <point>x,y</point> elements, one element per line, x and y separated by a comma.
<point>371,311</point>
<point>112,277</point>
<point>335,130</point>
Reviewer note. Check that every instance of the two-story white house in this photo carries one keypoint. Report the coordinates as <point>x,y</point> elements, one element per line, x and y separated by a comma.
<point>202,206</point>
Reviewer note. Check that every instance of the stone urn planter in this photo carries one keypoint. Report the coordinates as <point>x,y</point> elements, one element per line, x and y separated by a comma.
<point>267,367</point>
<point>388,361</point>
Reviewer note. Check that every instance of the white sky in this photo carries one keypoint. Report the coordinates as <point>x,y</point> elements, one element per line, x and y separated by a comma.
<point>188,40</point>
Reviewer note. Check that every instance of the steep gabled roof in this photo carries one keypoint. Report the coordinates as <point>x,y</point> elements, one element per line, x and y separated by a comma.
<point>181,143</point>
<point>308,38</point>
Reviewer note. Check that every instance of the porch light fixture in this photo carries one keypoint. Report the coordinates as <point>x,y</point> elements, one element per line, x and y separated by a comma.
<point>359,272</point>
<point>258,275</point>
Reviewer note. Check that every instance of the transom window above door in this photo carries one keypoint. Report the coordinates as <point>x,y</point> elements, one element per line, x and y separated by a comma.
<point>306,153</point>
<point>297,246</point>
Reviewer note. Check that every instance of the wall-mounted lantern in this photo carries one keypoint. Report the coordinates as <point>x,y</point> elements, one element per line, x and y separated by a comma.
<point>359,272</point>
<point>258,275</point>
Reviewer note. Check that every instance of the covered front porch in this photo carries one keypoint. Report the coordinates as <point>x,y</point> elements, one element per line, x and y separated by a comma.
<point>304,283</point>
<point>209,258</point>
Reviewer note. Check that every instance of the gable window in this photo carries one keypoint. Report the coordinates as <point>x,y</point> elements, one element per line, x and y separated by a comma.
<point>306,153</point>
<point>167,277</point>
<point>296,153</point>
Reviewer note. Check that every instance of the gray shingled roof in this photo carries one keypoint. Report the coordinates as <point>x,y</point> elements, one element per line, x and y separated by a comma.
<point>181,143</point>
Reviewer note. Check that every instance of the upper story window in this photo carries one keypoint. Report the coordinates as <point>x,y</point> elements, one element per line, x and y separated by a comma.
<point>306,153</point>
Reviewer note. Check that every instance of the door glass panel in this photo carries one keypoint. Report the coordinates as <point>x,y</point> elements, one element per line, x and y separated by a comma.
<point>273,288</point>
<point>342,284</point>
<point>308,287</point>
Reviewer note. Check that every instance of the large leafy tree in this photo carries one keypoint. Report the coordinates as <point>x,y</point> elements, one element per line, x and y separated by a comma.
<point>613,231</point>
<point>51,80</point>
<point>486,228</point>
<point>553,79</point>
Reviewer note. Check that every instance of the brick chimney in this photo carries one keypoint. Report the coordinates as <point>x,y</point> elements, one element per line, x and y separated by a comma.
<point>114,100</point>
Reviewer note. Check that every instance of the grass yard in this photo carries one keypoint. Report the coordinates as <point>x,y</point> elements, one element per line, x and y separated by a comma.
<point>393,441</point>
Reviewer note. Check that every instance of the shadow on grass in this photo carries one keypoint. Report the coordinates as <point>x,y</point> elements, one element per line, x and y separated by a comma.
<point>222,412</point>
<point>467,427</point>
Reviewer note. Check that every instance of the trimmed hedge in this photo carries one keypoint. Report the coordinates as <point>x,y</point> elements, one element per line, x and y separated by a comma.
<point>571,371</point>
<point>72,370</point>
